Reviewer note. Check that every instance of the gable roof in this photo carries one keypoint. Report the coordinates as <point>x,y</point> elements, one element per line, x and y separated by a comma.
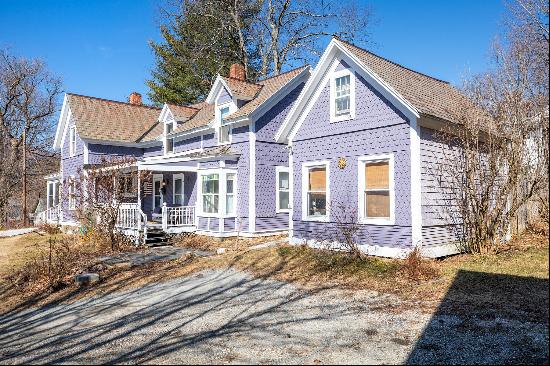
<point>201,119</point>
<point>414,93</point>
<point>243,89</point>
<point>430,96</point>
<point>109,120</point>
<point>269,87</point>
<point>182,113</point>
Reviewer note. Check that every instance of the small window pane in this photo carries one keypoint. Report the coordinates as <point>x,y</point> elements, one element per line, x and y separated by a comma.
<point>230,183</point>
<point>284,200</point>
<point>229,204</point>
<point>224,133</point>
<point>284,180</point>
<point>317,179</point>
<point>210,184</point>
<point>377,175</point>
<point>378,204</point>
<point>210,203</point>
<point>317,204</point>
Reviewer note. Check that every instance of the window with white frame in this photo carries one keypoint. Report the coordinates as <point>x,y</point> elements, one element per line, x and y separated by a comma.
<point>230,194</point>
<point>169,143</point>
<point>224,131</point>
<point>316,191</point>
<point>342,105</point>
<point>283,189</point>
<point>376,188</point>
<point>72,141</point>
<point>178,189</point>
<point>72,193</point>
<point>210,193</point>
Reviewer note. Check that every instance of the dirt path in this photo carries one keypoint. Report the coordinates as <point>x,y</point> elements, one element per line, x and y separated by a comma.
<point>226,316</point>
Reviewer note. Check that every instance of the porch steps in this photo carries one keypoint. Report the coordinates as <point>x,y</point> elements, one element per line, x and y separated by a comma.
<point>156,237</point>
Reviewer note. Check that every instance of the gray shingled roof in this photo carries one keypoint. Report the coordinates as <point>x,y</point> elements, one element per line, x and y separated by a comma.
<point>430,96</point>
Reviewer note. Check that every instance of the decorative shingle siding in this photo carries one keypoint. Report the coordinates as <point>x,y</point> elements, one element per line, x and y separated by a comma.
<point>70,166</point>
<point>223,97</point>
<point>439,212</point>
<point>151,151</point>
<point>192,143</point>
<point>378,128</point>
<point>99,153</point>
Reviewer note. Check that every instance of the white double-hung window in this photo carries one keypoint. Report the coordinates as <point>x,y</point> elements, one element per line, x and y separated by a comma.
<point>224,131</point>
<point>210,193</point>
<point>283,189</point>
<point>342,94</point>
<point>315,191</point>
<point>72,141</point>
<point>169,142</point>
<point>230,194</point>
<point>376,189</point>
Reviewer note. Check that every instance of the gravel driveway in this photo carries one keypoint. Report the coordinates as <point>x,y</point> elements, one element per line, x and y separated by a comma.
<point>229,317</point>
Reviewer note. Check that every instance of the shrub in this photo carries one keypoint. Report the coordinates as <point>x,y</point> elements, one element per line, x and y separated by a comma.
<point>417,268</point>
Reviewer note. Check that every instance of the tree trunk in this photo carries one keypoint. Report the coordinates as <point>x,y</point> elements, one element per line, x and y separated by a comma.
<point>24,162</point>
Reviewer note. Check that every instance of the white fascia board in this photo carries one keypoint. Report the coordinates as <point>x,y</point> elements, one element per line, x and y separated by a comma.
<point>165,114</point>
<point>218,83</point>
<point>61,123</point>
<point>191,133</point>
<point>336,49</point>
<point>165,160</point>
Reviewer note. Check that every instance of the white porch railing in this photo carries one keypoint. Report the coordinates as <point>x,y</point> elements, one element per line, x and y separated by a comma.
<point>130,216</point>
<point>177,216</point>
<point>48,216</point>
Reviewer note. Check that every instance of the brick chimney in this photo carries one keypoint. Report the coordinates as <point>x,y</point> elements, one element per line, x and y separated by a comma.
<point>135,98</point>
<point>237,72</point>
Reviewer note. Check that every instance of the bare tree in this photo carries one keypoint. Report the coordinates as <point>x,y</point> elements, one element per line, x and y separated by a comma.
<point>28,101</point>
<point>499,152</point>
<point>100,192</point>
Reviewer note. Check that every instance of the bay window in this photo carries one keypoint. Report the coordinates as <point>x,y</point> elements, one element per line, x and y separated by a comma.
<point>210,193</point>
<point>230,194</point>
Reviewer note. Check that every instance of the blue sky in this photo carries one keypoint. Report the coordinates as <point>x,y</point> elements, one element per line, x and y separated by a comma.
<point>100,48</point>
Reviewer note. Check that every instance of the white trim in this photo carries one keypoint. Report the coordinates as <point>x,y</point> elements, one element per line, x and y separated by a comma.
<point>167,120</point>
<point>291,198</point>
<point>174,177</point>
<point>159,178</point>
<point>278,171</point>
<point>215,90</point>
<point>86,152</point>
<point>218,124</point>
<point>61,124</point>
<point>222,181</point>
<point>72,141</point>
<point>252,178</point>
<point>123,144</point>
<point>361,162</point>
<point>305,177</point>
<point>335,75</point>
<point>374,250</point>
<point>313,87</point>
<point>416,183</point>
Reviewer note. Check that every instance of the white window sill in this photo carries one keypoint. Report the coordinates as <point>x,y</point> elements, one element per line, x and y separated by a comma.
<point>341,118</point>
<point>376,221</point>
<point>287,210</point>
<point>204,214</point>
<point>316,218</point>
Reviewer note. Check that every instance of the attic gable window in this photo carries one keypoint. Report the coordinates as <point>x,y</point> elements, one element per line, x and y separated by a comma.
<point>342,96</point>
<point>169,142</point>
<point>224,131</point>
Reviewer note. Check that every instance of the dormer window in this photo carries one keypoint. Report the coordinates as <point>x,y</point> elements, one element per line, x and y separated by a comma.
<point>342,95</point>
<point>169,143</point>
<point>224,131</point>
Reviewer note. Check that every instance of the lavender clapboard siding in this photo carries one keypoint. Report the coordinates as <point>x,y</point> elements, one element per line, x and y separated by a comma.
<point>378,128</point>
<point>192,143</point>
<point>71,166</point>
<point>440,217</point>
<point>98,153</point>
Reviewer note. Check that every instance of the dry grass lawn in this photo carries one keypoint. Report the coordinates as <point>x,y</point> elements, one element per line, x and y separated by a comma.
<point>15,251</point>
<point>464,283</point>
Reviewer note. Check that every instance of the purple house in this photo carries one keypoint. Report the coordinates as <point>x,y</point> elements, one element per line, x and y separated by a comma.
<point>360,137</point>
<point>215,165</point>
<point>296,153</point>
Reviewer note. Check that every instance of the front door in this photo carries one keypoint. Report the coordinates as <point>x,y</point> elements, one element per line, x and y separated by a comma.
<point>158,197</point>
